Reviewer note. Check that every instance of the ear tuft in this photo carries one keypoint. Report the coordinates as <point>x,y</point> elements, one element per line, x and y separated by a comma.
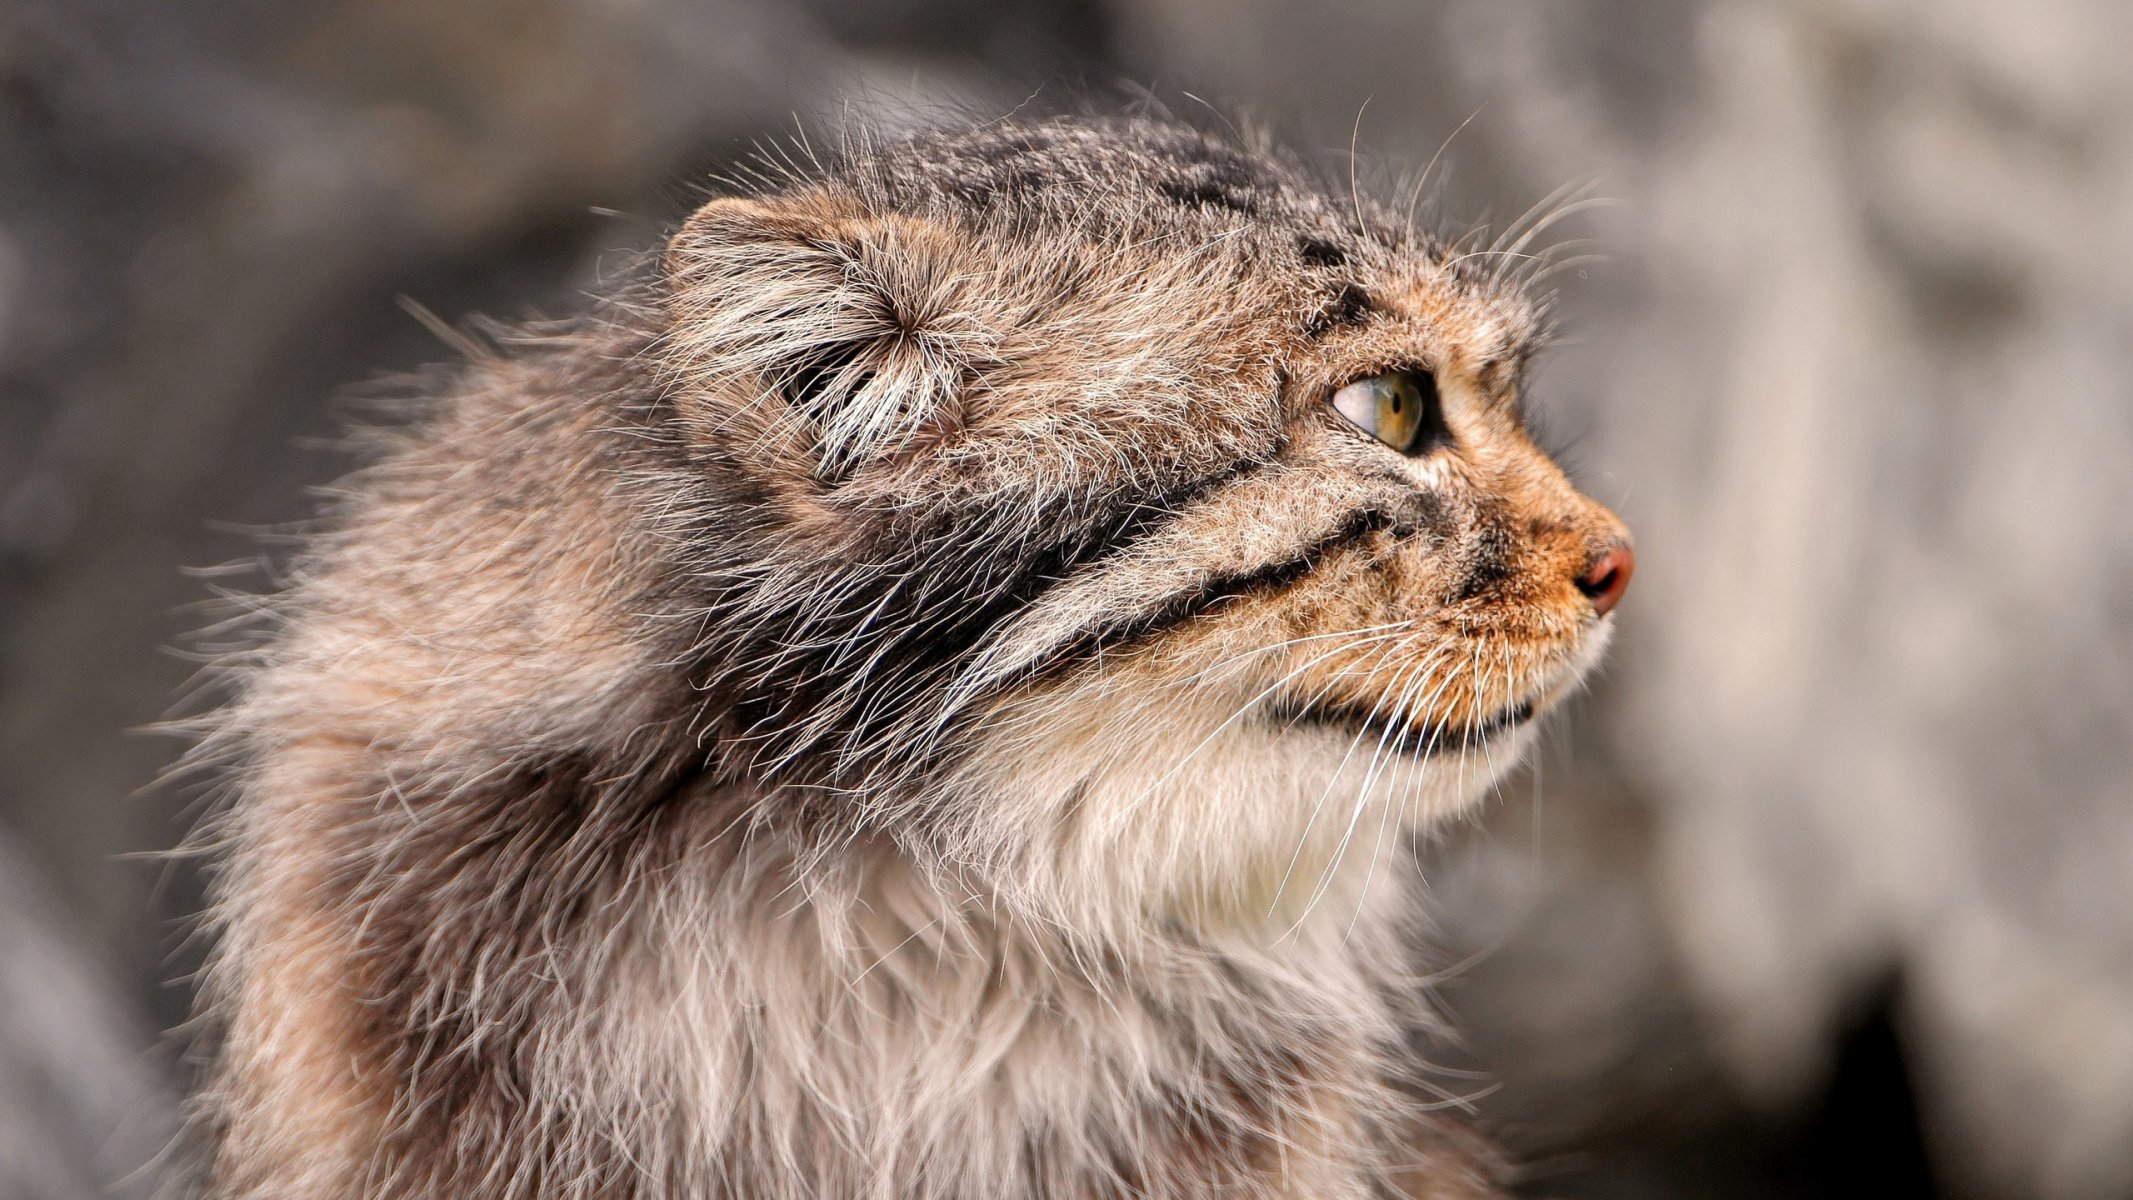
<point>860,327</point>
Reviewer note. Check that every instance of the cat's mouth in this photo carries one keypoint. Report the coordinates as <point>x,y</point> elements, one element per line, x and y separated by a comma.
<point>1377,729</point>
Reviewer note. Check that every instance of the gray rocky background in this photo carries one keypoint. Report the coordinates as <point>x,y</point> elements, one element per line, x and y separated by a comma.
<point>1825,889</point>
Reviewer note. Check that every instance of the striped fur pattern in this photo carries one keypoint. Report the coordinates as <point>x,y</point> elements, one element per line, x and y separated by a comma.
<point>917,696</point>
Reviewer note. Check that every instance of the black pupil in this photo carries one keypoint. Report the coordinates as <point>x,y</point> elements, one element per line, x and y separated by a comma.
<point>1414,392</point>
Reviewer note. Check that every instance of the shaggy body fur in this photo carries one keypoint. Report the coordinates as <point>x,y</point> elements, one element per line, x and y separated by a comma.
<point>917,698</point>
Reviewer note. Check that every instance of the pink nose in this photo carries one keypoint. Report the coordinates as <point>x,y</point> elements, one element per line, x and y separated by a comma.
<point>1608,577</point>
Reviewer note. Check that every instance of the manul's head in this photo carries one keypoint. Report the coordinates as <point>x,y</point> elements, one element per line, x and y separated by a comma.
<point>1106,501</point>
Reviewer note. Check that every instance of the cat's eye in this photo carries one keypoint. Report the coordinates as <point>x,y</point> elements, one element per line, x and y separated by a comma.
<point>1398,408</point>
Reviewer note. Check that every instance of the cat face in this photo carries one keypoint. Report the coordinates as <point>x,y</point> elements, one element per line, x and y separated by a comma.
<point>1086,493</point>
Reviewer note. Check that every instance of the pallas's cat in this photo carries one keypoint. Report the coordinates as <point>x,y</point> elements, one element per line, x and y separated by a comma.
<point>920,693</point>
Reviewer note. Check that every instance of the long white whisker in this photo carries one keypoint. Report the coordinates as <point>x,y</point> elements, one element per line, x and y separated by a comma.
<point>1355,816</point>
<point>1285,644</point>
<point>1303,839</point>
<point>1241,712</point>
<point>1401,713</point>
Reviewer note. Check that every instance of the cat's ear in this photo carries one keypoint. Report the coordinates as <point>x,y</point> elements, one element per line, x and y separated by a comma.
<point>860,328</point>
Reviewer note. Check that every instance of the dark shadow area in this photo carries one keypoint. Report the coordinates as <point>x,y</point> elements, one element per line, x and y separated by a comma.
<point>1858,1137</point>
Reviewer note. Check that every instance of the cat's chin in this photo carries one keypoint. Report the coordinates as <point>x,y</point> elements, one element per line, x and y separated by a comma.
<point>1243,824</point>
<point>1425,773</point>
<point>1381,734</point>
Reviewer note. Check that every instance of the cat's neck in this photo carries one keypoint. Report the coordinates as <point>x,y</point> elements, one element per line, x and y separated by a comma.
<point>913,996</point>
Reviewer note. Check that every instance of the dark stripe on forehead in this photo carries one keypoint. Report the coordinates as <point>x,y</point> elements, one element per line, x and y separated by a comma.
<point>1319,252</point>
<point>1348,307</point>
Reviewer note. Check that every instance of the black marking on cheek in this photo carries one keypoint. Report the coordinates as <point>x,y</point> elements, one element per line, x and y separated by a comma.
<point>1350,307</point>
<point>911,639</point>
<point>1216,591</point>
<point>952,632</point>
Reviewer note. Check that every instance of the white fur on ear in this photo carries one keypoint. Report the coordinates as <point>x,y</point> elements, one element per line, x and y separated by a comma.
<point>864,328</point>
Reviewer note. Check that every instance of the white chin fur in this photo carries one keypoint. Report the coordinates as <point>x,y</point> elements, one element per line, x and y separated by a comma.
<point>1096,805</point>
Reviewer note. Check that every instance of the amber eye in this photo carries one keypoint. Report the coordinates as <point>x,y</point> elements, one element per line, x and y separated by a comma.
<point>1398,408</point>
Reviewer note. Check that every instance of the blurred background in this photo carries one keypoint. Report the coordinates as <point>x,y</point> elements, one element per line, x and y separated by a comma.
<point>1825,889</point>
